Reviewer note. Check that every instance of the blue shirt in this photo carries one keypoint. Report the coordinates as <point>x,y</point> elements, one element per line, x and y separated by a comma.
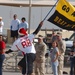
<point>23,25</point>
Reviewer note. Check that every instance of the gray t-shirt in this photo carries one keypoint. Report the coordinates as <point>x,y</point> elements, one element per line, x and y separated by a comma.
<point>53,54</point>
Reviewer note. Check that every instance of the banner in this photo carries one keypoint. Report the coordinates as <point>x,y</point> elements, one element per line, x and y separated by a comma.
<point>64,15</point>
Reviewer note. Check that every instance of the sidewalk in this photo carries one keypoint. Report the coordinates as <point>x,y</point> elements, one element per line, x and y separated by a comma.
<point>49,72</point>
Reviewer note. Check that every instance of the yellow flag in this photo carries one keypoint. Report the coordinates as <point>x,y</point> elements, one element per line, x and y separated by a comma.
<point>64,15</point>
<point>66,9</point>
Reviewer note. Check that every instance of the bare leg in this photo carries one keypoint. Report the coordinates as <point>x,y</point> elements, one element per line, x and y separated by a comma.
<point>14,38</point>
<point>20,68</point>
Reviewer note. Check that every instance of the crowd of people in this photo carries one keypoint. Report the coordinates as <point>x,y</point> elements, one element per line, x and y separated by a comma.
<point>34,55</point>
<point>57,49</point>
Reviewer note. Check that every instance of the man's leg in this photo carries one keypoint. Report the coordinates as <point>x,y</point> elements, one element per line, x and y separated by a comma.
<point>71,67</point>
<point>2,57</point>
<point>60,68</point>
<point>30,60</point>
<point>74,68</point>
<point>1,67</point>
<point>20,68</point>
<point>41,68</point>
<point>21,64</point>
<point>36,68</point>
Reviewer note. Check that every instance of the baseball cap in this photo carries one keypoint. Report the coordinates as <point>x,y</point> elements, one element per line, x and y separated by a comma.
<point>40,36</point>
<point>22,31</point>
<point>59,34</point>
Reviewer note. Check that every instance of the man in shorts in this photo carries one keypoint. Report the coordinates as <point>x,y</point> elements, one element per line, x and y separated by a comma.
<point>14,27</point>
<point>25,44</point>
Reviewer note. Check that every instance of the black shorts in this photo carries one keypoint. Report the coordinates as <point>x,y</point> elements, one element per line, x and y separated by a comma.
<point>29,65</point>
<point>14,33</point>
<point>22,62</point>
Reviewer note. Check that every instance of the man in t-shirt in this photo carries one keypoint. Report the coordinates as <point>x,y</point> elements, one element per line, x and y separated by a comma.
<point>62,47</point>
<point>2,53</point>
<point>25,44</point>
<point>1,25</point>
<point>14,27</point>
<point>23,24</point>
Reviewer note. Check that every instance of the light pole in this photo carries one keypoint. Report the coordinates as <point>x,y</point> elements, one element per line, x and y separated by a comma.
<point>29,15</point>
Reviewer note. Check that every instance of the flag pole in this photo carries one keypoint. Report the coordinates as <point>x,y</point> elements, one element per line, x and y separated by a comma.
<point>50,10</point>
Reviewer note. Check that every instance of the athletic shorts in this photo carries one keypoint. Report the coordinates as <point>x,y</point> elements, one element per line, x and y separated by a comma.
<point>22,62</point>
<point>27,67</point>
<point>14,33</point>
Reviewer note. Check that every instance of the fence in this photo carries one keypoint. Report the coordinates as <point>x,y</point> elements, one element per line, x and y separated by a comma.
<point>11,61</point>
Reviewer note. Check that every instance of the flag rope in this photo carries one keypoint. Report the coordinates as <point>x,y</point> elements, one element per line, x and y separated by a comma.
<point>50,10</point>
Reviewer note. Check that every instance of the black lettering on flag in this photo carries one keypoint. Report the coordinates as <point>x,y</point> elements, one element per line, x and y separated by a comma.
<point>65,8</point>
<point>56,19</point>
<point>73,14</point>
<point>61,21</point>
<point>73,26</point>
<point>68,25</point>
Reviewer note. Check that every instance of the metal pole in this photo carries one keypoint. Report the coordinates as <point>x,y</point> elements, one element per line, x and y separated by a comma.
<point>29,15</point>
<point>50,10</point>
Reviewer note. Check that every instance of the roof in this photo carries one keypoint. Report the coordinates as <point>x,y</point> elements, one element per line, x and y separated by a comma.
<point>26,3</point>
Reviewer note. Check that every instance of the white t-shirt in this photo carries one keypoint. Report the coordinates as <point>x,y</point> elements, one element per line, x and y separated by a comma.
<point>1,26</point>
<point>24,44</point>
<point>15,24</point>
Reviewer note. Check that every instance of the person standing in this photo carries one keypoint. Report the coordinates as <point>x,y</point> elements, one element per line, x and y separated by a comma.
<point>14,27</point>
<point>54,53</point>
<point>25,44</point>
<point>2,53</point>
<point>62,48</point>
<point>1,25</point>
<point>72,59</point>
<point>23,24</point>
<point>39,64</point>
<point>48,41</point>
<point>54,35</point>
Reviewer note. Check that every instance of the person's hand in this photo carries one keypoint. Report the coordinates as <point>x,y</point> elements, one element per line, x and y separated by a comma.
<point>41,23</point>
<point>54,60</point>
<point>71,53</point>
<point>9,51</point>
<point>6,52</point>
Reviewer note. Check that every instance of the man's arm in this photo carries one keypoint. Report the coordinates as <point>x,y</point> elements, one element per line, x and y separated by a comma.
<point>9,51</point>
<point>63,46</point>
<point>38,28</point>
